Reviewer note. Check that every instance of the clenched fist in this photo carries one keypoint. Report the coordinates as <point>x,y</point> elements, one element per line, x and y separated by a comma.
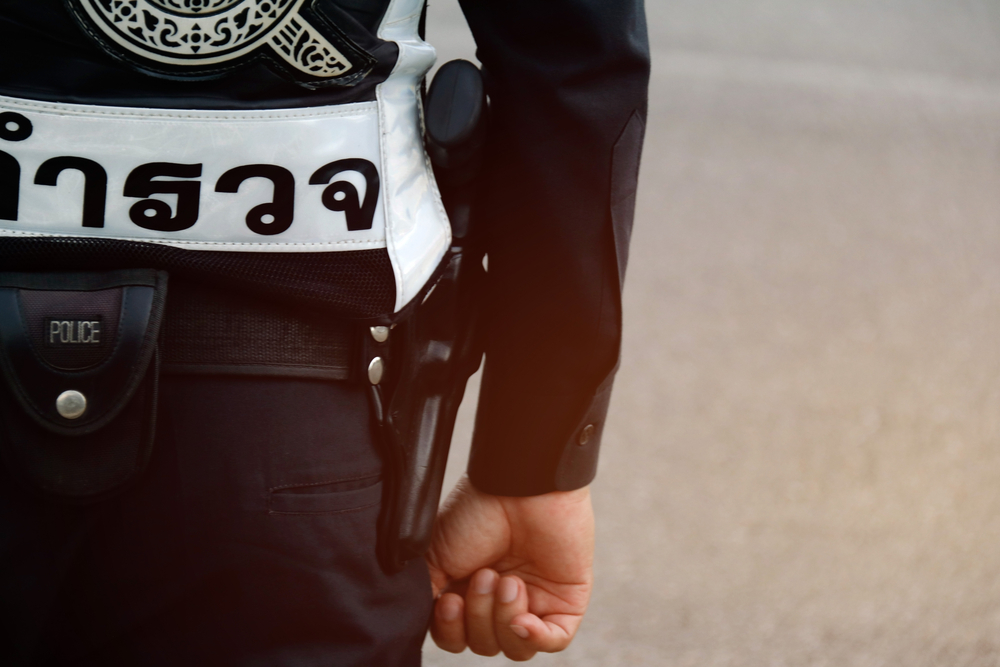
<point>511,574</point>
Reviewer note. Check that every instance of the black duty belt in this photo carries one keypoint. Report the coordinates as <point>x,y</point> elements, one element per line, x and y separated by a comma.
<point>208,330</point>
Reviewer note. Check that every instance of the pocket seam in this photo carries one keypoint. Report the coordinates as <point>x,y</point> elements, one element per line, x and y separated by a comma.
<point>282,487</point>
<point>343,511</point>
<point>312,504</point>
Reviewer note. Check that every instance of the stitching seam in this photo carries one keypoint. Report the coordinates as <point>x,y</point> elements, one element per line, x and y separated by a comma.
<point>332,481</point>
<point>343,511</point>
<point>290,114</point>
<point>378,242</point>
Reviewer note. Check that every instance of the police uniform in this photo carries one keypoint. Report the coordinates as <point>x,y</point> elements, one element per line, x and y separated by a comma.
<point>202,204</point>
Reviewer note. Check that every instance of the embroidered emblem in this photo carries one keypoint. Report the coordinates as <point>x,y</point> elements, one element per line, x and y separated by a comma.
<point>73,331</point>
<point>196,38</point>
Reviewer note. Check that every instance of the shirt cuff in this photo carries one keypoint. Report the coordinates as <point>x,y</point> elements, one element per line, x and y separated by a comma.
<point>528,444</point>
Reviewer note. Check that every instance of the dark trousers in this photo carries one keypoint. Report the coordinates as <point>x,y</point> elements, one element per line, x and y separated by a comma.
<point>249,540</point>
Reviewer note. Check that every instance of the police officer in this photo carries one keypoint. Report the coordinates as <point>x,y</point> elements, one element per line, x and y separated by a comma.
<point>230,191</point>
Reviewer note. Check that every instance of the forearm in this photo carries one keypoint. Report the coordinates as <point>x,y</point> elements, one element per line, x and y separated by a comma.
<point>567,83</point>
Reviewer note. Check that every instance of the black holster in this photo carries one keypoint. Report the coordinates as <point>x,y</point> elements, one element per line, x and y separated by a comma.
<point>438,349</point>
<point>439,345</point>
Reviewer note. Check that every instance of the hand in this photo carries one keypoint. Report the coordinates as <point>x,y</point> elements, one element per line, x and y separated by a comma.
<point>511,574</point>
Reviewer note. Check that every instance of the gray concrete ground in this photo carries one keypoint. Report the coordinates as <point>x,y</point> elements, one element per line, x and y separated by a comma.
<point>802,465</point>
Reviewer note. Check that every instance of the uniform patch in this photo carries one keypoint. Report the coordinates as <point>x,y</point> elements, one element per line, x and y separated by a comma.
<point>276,180</point>
<point>73,331</point>
<point>202,38</point>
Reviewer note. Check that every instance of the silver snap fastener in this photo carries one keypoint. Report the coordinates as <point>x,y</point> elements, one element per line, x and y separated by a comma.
<point>586,434</point>
<point>71,404</point>
<point>380,334</point>
<point>375,369</point>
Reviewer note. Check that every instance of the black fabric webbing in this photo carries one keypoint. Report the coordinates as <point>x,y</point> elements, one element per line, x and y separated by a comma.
<point>218,331</point>
<point>355,284</point>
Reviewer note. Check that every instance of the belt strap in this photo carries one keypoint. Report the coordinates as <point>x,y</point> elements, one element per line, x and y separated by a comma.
<point>208,330</point>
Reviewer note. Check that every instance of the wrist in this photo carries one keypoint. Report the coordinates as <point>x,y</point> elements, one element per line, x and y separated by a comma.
<point>581,494</point>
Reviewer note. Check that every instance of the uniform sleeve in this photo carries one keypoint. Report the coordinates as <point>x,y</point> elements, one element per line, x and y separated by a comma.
<point>567,81</point>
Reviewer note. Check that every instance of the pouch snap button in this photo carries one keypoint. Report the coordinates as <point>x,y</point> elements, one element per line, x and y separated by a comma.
<point>71,404</point>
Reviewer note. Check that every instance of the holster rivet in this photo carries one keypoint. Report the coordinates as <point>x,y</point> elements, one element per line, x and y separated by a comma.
<point>586,434</point>
<point>375,369</point>
<point>71,404</point>
<point>380,334</point>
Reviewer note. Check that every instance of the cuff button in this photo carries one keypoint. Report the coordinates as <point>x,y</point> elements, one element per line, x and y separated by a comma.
<point>586,434</point>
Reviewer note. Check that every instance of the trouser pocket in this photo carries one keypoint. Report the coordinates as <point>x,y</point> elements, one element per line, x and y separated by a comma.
<point>80,374</point>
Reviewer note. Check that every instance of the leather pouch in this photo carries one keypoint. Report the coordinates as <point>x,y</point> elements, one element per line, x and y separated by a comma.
<point>80,374</point>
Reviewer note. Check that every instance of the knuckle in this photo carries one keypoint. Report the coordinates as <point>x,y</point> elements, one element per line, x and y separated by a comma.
<point>481,619</point>
<point>475,622</point>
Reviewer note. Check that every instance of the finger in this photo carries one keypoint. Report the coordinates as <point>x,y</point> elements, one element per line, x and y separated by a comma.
<point>511,602</point>
<point>550,634</point>
<point>479,613</point>
<point>448,626</point>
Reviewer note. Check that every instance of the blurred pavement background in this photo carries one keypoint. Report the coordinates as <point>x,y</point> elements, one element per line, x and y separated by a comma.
<point>802,463</point>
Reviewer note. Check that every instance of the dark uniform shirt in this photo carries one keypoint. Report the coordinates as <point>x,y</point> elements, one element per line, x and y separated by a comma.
<point>567,80</point>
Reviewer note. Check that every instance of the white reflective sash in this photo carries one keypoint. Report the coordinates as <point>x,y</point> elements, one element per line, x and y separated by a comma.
<point>206,145</point>
<point>319,179</point>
